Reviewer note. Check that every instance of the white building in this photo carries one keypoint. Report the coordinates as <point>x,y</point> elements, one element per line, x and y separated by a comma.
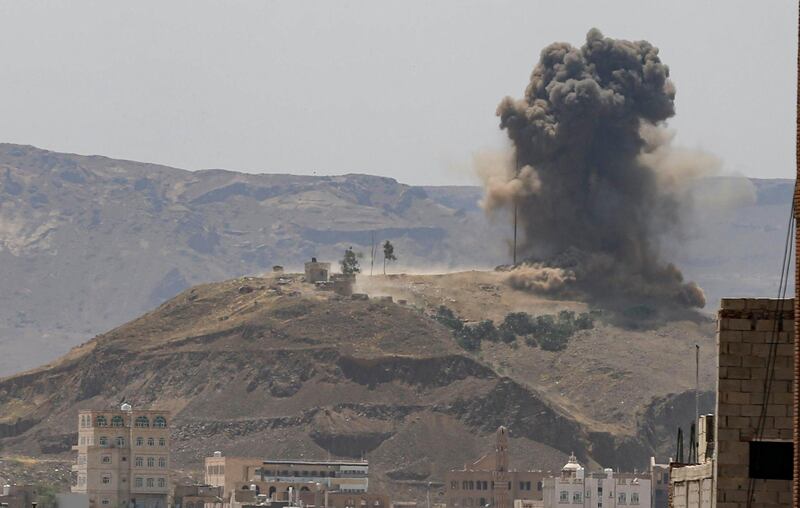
<point>577,489</point>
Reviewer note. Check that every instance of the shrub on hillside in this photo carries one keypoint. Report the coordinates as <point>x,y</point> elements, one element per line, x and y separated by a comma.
<point>448,318</point>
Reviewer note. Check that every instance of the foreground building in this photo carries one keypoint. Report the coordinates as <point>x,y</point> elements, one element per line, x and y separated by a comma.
<point>576,488</point>
<point>489,481</point>
<point>745,452</point>
<point>123,458</point>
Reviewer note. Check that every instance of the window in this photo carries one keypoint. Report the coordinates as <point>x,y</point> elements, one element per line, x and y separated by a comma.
<point>151,441</point>
<point>162,441</point>
<point>149,482</point>
<point>576,498</point>
<point>107,478</point>
<point>139,462</point>
<point>101,421</point>
<point>771,460</point>
<point>588,494</point>
<point>106,459</point>
<point>464,485</point>
<point>162,462</point>
<point>453,485</point>
<point>162,483</point>
<point>83,440</point>
<point>527,485</point>
<point>105,501</point>
<point>103,441</point>
<point>117,421</point>
<point>634,498</point>
<point>563,497</point>
<point>160,422</point>
<point>142,422</point>
<point>81,459</point>
<point>81,480</point>
<point>539,486</point>
<point>120,441</point>
<point>139,441</point>
<point>151,462</point>
<point>622,498</point>
<point>139,482</point>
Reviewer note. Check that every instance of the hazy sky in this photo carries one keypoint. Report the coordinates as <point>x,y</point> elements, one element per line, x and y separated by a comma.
<point>403,89</point>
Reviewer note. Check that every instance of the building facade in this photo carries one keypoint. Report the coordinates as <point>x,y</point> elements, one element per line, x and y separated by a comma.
<point>490,481</point>
<point>123,458</point>
<point>754,402</point>
<point>227,472</point>
<point>577,489</point>
<point>341,476</point>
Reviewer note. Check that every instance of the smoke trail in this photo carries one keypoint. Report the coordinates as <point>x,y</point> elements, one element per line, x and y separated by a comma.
<point>595,180</point>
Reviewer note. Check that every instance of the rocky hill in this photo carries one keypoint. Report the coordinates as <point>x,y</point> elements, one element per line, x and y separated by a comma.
<point>87,243</point>
<point>255,366</point>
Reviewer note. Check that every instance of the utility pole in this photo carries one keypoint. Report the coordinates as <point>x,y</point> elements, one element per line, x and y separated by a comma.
<point>796,382</point>
<point>697,384</point>
<point>516,170</point>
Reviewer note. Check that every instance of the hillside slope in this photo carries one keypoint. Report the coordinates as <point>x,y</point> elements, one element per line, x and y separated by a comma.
<point>252,367</point>
<point>88,243</point>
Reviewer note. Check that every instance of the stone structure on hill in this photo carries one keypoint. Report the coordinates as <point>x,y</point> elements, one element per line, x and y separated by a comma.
<point>317,271</point>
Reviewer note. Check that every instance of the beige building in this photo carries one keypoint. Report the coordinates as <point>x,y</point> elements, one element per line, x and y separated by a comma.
<point>227,472</point>
<point>577,489</point>
<point>123,458</point>
<point>490,481</point>
<point>316,271</point>
<point>745,451</point>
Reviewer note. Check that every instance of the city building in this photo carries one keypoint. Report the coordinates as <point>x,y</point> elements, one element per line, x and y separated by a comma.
<point>123,457</point>
<point>17,496</point>
<point>341,476</point>
<point>576,488</point>
<point>659,484</point>
<point>197,496</point>
<point>745,452</point>
<point>490,481</point>
<point>227,472</point>
<point>250,481</point>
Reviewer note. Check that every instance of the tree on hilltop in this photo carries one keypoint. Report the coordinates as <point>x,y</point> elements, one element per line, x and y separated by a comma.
<point>388,254</point>
<point>349,263</point>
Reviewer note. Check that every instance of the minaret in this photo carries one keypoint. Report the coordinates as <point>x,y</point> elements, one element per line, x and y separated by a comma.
<point>502,482</point>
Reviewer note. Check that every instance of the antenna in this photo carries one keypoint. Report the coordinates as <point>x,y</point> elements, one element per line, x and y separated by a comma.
<point>679,451</point>
<point>696,383</point>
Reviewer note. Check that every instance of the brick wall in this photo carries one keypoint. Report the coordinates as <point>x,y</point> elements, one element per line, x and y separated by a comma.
<point>747,329</point>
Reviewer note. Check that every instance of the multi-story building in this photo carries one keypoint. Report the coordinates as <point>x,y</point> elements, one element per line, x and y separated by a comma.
<point>123,458</point>
<point>576,489</point>
<point>341,476</point>
<point>227,472</point>
<point>489,481</point>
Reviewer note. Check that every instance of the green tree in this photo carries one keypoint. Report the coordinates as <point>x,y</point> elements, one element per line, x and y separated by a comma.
<point>388,254</point>
<point>46,495</point>
<point>349,263</point>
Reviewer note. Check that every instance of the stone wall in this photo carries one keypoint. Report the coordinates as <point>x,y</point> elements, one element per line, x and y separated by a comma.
<point>748,330</point>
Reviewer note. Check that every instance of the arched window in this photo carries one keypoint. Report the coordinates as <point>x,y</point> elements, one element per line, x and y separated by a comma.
<point>162,462</point>
<point>149,482</point>
<point>151,441</point>
<point>162,483</point>
<point>139,462</point>
<point>160,422</point>
<point>142,422</point>
<point>140,441</point>
<point>101,421</point>
<point>103,441</point>
<point>151,462</point>
<point>162,441</point>
<point>117,421</point>
<point>120,441</point>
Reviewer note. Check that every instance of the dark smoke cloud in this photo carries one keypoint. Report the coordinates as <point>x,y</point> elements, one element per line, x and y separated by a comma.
<point>595,181</point>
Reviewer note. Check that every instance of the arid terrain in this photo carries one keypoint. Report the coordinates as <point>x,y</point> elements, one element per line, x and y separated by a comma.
<point>276,368</point>
<point>88,242</point>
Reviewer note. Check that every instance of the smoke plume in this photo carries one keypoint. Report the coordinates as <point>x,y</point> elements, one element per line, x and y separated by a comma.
<point>594,178</point>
